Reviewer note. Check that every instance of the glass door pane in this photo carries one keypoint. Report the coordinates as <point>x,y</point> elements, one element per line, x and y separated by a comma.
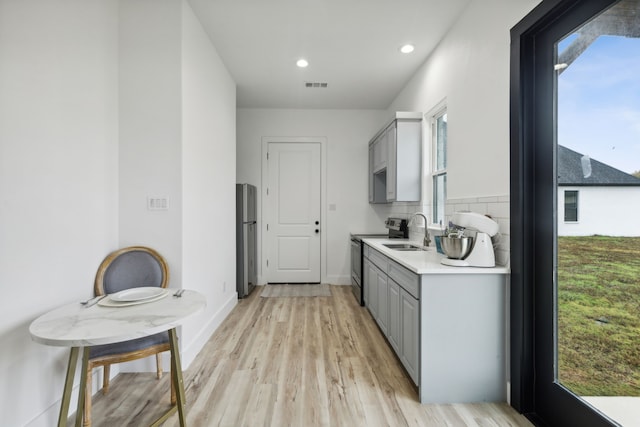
<point>598,212</point>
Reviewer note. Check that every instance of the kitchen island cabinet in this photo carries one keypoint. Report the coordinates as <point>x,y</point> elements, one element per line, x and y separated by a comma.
<point>445,324</point>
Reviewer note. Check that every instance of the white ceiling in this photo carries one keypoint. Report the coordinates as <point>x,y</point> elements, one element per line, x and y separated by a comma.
<point>350,44</point>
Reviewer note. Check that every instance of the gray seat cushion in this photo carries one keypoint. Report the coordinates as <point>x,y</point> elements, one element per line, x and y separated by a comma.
<point>127,346</point>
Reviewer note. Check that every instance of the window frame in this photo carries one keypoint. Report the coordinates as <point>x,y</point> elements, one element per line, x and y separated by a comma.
<point>576,194</point>
<point>438,201</point>
<point>533,199</point>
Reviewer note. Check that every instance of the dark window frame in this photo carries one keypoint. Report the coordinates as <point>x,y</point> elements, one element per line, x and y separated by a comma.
<point>532,215</point>
<point>571,207</point>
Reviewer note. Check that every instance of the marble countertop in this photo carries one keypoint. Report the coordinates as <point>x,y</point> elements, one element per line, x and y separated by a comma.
<point>75,325</point>
<point>426,262</point>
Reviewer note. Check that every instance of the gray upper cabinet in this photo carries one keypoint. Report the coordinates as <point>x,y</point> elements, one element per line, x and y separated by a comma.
<point>378,171</point>
<point>379,148</point>
<point>392,163</point>
<point>395,161</point>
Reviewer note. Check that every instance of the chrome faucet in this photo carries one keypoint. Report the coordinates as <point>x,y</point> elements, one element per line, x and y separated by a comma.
<point>427,239</point>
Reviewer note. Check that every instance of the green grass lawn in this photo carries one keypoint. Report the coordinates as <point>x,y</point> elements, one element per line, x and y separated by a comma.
<point>599,315</point>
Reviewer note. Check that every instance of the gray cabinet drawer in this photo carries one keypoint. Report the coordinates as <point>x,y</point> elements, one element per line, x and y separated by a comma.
<point>405,278</point>
<point>365,251</point>
<point>381,261</point>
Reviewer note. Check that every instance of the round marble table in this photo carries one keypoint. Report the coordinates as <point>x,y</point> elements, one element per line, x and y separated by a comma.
<point>77,326</point>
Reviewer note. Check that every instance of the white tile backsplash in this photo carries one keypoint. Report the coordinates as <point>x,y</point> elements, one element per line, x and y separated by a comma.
<point>480,208</point>
<point>491,199</point>
<point>497,207</point>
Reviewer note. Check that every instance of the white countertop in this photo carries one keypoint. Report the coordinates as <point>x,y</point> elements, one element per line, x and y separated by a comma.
<point>426,262</point>
<point>75,325</point>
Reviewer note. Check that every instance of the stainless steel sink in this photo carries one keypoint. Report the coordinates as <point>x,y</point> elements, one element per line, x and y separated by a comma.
<point>403,247</point>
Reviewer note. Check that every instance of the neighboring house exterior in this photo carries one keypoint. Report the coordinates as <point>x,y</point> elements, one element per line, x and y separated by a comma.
<point>596,198</point>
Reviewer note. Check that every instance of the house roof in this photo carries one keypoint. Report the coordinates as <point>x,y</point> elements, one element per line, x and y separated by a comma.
<point>570,172</point>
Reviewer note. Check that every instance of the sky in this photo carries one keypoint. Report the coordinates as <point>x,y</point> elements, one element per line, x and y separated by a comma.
<point>599,102</point>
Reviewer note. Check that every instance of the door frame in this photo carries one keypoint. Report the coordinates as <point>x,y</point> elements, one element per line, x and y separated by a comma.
<point>532,218</point>
<point>264,244</point>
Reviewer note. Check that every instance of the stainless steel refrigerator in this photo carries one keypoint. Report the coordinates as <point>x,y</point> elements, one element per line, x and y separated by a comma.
<point>246,234</point>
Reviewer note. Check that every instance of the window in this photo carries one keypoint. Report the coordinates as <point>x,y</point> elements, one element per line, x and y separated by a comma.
<point>439,169</point>
<point>570,206</point>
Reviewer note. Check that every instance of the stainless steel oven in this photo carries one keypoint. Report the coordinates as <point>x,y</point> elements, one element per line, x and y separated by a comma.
<point>356,264</point>
<point>356,261</point>
<point>397,230</point>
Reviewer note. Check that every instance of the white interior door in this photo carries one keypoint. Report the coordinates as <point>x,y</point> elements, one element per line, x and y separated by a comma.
<point>293,201</point>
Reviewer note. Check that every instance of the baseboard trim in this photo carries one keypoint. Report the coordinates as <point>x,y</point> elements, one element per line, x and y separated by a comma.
<point>337,280</point>
<point>190,350</point>
<point>49,417</point>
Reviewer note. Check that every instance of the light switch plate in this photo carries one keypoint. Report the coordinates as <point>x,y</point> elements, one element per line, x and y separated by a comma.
<point>158,203</point>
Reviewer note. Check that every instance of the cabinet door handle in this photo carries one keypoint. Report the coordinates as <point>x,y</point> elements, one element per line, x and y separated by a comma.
<point>317,231</point>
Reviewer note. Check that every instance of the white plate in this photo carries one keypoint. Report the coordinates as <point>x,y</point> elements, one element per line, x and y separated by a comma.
<point>108,302</point>
<point>137,294</point>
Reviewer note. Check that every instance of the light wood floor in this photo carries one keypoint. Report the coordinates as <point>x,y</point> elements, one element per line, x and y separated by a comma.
<point>315,361</point>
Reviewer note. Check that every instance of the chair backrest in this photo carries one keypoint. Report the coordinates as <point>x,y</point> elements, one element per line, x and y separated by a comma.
<point>131,267</point>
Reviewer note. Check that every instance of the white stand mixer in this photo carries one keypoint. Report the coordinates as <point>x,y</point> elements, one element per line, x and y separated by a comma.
<point>481,254</point>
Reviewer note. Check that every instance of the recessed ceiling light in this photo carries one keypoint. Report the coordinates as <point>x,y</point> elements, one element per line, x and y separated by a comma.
<point>407,48</point>
<point>302,63</point>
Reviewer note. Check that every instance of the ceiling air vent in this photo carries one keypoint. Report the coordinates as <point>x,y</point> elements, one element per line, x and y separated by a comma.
<point>316,85</point>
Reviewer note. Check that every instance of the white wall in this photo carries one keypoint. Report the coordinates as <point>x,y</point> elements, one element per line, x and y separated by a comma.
<point>470,68</point>
<point>347,208</point>
<point>208,182</point>
<point>177,139</point>
<point>607,211</point>
<point>99,109</point>
<point>150,162</point>
<point>58,182</point>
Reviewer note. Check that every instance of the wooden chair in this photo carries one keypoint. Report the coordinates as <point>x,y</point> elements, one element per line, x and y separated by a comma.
<point>127,268</point>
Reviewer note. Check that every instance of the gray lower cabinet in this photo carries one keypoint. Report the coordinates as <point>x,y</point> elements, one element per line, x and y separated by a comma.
<point>383,304</point>
<point>391,303</point>
<point>394,331</point>
<point>370,284</point>
<point>375,289</point>
<point>448,329</point>
<point>410,334</point>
